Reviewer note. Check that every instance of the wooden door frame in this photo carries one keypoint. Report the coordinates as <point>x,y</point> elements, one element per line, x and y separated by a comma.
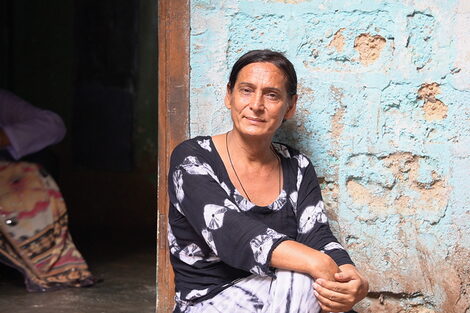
<point>173,123</point>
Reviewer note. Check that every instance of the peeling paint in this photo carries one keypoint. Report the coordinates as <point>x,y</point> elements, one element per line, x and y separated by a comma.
<point>434,109</point>
<point>369,47</point>
<point>338,41</point>
<point>420,27</point>
<point>337,123</point>
<point>402,186</point>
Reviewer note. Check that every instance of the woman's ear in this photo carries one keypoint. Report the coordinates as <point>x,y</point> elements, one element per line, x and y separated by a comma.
<point>228,97</point>
<point>292,106</point>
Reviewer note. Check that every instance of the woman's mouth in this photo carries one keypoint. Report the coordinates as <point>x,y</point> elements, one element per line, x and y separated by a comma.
<point>254,119</point>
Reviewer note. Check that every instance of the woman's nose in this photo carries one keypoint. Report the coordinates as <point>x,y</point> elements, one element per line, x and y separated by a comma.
<point>258,102</point>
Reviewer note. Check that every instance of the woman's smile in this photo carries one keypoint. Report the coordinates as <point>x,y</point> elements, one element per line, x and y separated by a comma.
<point>259,100</point>
<point>254,119</point>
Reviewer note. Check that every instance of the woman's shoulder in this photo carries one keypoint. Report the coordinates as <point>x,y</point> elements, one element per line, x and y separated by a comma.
<point>196,142</point>
<point>194,146</point>
<point>292,154</point>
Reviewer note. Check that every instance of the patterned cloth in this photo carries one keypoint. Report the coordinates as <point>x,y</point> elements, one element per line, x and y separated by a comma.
<point>34,237</point>
<point>289,292</point>
<point>217,236</point>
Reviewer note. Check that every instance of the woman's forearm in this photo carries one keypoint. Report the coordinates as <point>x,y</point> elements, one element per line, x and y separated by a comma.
<point>294,256</point>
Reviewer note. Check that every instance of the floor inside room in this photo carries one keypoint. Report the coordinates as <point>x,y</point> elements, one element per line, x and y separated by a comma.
<point>126,271</point>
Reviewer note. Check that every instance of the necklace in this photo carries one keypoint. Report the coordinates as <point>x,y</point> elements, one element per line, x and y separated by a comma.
<point>236,175</point>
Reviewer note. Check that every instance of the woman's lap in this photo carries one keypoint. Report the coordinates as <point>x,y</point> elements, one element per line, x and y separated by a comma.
<point>288,292</point>
<point>34,236</point>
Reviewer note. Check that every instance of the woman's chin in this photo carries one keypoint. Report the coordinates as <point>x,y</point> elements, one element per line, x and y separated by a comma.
<point>256,132</point>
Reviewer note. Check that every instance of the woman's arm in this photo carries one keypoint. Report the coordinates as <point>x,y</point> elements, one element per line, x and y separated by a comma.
<point>337,289</point>
<point>28,128</point>
<point>295,256</point>
<point>313,227</point>
<point>202,215</point>
<point>343,289</point>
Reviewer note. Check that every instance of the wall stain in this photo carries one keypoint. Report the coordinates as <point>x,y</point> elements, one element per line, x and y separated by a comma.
<point>369,47</point>
<point>434,109</point>
<point>338,41</point>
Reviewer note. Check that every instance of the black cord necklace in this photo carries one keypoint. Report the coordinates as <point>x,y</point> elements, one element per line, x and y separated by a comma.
<point>236,175</point>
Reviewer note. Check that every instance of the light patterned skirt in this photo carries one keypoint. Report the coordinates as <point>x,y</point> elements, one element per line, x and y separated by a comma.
<point>34,236</point>
<point>289,292</point>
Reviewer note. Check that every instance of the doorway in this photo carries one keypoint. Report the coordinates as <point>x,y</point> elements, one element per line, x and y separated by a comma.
<point>95,64</point>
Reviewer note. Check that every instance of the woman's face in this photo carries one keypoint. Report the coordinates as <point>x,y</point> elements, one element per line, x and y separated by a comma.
<point>259,100</point>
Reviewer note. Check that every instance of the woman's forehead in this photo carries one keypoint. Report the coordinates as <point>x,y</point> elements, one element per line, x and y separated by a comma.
<point>261,72</point>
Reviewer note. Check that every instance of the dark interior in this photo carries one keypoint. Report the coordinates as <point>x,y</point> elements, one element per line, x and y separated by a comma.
<point>95,64</point>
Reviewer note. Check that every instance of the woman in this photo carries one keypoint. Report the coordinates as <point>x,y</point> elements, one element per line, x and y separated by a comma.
<point>247,228</point>
<point>34,236</point>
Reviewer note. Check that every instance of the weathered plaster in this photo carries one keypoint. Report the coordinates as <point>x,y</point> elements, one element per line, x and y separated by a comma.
<point>384,116</point>
<point>338,41</point>
<point>369,47</point>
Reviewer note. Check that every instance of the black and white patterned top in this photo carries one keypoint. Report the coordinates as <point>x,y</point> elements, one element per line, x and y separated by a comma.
<point>217,236</point>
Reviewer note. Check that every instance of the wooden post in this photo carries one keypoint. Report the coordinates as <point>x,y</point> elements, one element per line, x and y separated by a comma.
<point>173,123</point>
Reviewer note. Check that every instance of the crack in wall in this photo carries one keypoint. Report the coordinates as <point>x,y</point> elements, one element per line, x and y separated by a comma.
<point>382,295</point>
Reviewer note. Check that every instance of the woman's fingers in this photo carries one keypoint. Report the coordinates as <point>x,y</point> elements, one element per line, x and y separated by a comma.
<point>346,276</point>
<point>330,305</point>
<point>341,295</point>
<point>337,298</point>
<point>330,294</point>
<point>335,286</point>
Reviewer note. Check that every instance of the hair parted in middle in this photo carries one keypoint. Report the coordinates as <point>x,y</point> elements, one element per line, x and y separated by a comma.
<point>266,56</point>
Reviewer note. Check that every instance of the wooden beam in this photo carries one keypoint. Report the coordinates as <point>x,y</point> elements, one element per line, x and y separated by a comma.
<point>173,124</point>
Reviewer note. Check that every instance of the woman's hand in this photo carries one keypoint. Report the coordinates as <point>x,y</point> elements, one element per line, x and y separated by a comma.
<point>341,295</point>
<point>337,288</point>
<point>322,266</point>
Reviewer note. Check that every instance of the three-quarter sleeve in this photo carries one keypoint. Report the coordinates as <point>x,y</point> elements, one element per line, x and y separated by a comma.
<point>29,129</point>
<point>313,229</point>
<point>202,199</point>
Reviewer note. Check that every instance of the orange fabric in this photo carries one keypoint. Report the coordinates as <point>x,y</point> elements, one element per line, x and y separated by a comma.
<point>34,236</point>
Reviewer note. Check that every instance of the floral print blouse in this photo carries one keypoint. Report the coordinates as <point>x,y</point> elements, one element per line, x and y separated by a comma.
<point>217,236</point>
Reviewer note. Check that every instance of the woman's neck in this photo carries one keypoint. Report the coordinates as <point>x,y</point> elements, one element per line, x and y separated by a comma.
<point>250,150</point>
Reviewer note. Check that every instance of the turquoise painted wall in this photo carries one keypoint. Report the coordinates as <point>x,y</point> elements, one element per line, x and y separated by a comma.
<point>383,114</point>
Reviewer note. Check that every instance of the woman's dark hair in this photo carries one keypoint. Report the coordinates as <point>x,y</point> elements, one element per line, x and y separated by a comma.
<point>266,56</point>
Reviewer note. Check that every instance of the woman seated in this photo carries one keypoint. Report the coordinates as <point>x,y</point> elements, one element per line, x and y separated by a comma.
<point>247,224</point>
<point>34,237</point>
